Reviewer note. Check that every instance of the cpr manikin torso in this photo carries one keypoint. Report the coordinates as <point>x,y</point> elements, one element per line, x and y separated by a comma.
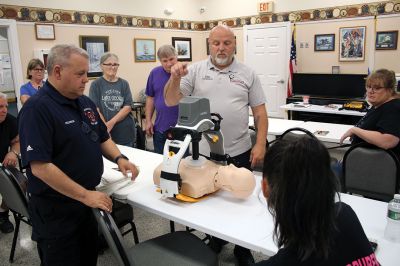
<point>199,180</point>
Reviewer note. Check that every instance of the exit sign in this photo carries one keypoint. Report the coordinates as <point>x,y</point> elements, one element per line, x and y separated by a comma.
<point>265,7</point>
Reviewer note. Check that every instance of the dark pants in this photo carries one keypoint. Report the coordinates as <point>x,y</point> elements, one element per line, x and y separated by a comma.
<point>159,139</point>
<point>65,231</point>
<point>241,160</point>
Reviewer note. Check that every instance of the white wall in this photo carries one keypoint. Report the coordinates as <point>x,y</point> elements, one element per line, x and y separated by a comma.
<point>184,9</point>
<point>219,9</point>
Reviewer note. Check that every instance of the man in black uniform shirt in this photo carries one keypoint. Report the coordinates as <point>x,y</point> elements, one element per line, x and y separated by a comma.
<point>9,150</point>
<point>62,143</point>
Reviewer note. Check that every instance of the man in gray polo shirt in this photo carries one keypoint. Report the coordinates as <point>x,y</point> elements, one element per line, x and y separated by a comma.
<point>231,88</point>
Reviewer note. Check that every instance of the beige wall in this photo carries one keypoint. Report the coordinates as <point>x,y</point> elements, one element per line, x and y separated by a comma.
<point>310,61</point>
<point>221,9</point>
<point>183,9</point>
<point>120,41</point>
<point>388,58</point>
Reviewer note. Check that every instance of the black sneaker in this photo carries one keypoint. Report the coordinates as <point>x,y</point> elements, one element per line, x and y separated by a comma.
<point>5,225</point>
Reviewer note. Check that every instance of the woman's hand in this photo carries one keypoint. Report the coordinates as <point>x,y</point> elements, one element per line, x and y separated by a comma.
<point>347,134</point>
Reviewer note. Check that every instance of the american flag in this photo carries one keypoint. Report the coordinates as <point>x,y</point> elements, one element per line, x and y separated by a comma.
<point>292,65</point>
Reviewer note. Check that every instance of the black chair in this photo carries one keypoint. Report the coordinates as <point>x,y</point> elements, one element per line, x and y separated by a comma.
<point>371,171</point>
<point>178,248</point>
<point>122,214</point>
<point>16,200</point>
<point>295,133</point>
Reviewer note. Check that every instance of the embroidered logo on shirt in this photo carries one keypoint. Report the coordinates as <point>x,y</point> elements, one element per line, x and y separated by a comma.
<point>69,122</point>
<point>234,79</point>
<point>90,116</point>
<point>29,148</point>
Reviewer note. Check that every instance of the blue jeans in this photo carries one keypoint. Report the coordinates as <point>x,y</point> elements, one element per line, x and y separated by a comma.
<point>159,139</point>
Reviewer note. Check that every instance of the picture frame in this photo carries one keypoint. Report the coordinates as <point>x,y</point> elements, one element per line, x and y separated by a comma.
<point>386,40</point>
<point>96,46</point>
<point>144,50</point>
<point>45,31</point>
<point>183,46</point>
<point>324,42</point>
<point>352,43</point>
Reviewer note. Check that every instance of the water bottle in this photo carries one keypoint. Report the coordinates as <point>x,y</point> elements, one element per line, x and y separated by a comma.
<point>392,230</point>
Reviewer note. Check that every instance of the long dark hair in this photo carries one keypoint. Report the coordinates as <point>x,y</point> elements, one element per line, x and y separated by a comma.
<point>302,189</point>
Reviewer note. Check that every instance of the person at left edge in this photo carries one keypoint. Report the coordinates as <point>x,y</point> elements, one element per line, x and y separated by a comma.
<point>9,150</point>
<point>62,142</point>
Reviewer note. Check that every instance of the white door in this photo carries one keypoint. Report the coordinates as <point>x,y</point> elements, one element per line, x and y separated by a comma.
<point>267,50</point>
<point>10,61</point>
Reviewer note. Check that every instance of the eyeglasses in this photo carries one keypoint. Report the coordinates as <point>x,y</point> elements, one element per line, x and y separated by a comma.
<point>374,89</point>
<point>111,65</point>
<point>38,69</point>
<point>90,132</point>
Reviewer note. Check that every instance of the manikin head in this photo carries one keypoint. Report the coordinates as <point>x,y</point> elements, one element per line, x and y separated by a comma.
<point>239,181</point>
<point>209,177</point>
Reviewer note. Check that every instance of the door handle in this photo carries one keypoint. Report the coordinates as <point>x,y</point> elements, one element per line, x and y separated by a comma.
<point>280,81</point>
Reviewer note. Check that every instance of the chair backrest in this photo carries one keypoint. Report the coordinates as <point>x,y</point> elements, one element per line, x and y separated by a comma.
<point>295,133</point>
<point>12,192</point>
<point>371,171</point>
<point>113,237</point>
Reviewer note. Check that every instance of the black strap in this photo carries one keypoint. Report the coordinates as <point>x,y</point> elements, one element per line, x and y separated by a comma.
<point>170,176</point>
<point>339,146</point>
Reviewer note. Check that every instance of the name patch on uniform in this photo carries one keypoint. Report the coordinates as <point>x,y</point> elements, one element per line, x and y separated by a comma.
<point>69,122</point>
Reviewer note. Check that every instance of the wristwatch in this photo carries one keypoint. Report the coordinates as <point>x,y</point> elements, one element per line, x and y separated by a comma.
<point>119,157</point>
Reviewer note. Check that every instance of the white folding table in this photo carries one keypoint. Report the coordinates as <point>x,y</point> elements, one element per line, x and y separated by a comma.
<point>243,222</point>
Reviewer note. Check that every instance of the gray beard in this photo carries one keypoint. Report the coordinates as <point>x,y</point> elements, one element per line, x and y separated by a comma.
<point>223,61</point>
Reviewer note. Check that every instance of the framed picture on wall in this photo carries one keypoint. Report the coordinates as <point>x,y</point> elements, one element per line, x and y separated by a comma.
<point>352,44</point>
<point>45,31</point>
<point>145,50</point>
<point>96,46</point>
<point>324,42</point>
<point>386,40</point>
<point>184,48</point>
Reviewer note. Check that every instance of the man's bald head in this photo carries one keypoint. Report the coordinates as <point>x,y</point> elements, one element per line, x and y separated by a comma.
<point>222,45</point>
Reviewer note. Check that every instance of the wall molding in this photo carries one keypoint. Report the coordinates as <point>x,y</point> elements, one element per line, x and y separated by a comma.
<point>59,16</point>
